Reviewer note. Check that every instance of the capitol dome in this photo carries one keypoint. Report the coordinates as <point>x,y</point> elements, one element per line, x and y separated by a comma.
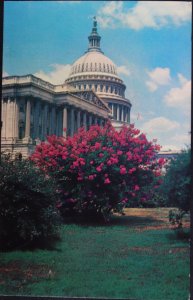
<point>94,62</point>
<point>95,71</point>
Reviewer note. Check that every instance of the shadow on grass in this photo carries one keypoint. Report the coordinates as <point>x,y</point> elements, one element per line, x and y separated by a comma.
<point>181,234</point>
<point>49,243</point>
<point>130,221</point>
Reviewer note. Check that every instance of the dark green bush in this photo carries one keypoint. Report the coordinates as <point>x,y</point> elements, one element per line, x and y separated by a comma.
<point>27,203</point>
<point>177,181</point>
<point>176,187</point>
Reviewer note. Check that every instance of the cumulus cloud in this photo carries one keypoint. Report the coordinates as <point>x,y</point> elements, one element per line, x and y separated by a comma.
<point>158,76</point>
<point>152,14</point>
<point>57,76</point>
<point>123,70</point>
<point>159,125</point>
<point>180,96</point>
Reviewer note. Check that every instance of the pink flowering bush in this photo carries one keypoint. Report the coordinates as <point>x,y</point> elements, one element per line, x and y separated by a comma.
<point>100,170</point>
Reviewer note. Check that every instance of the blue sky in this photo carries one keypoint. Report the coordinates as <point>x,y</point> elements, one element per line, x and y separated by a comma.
<point>150,42</point>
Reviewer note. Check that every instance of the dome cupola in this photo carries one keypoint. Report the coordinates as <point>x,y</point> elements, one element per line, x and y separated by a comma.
<point>94,38</point>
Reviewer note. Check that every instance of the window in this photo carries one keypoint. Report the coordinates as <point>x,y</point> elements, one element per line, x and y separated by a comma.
<point>101,87</point>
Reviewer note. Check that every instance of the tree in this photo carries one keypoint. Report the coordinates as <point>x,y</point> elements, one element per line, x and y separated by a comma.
<point>100,170</point>
<point>177,185</point>
<point>177,181</point>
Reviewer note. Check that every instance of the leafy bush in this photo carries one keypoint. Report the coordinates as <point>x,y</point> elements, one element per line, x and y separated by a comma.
<point>27,203</point>
<point>100,170</point>
<point>177,181</point>
<point>176,186</point>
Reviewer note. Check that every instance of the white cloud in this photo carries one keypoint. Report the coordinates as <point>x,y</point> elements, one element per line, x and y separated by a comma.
<point>151,86</point>
<point>153,14</point>
<point>182,138</point>
<point>5,74</point>
<point>123,70</point>
<point>159,125</point>
<point>57,76</point>
<point>158,76</point>
<point>180,96</point>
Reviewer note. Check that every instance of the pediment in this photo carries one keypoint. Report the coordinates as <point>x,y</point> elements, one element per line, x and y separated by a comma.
<point>92,97</point>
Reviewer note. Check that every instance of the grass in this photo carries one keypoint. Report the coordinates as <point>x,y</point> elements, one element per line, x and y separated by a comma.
<point>136,256</point>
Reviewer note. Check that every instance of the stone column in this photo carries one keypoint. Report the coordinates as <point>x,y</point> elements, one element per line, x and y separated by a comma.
<point>53,120</point>
<point>84,121</point>
<point>16,125</point>
<point>113,109</point>
<point>27,121</point>
<point>117,112</point>
<point>96,120</point>
<point>65,122</point>
<point>3,118</point>
<point>128,116</point>
<point>122,114</point>
<point>56,124</point>
<point>78,119</point>
<point>71,121</point>
<point>90,121</point>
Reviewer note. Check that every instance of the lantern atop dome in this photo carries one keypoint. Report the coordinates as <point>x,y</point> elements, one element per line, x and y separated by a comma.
<point>94,38</point>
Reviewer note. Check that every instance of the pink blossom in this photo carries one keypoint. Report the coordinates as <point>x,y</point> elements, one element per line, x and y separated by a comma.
<point>107,181</point>
<point>90,177</point>
<point>136,187</point>
<point>123,170</point>
<point>99,169</point>
<point>97,145</point>
<point>119,152</point>
<point>132,170</point>
<point>101,154</point>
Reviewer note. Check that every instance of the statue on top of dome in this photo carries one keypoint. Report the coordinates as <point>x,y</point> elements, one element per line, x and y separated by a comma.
<point>94,22</point>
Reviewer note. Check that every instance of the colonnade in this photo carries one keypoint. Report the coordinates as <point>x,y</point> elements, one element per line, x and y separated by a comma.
<point>29,119</point>
<point>120,112</point>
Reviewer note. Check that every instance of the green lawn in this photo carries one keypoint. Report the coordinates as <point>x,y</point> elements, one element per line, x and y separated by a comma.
<point>136,256</point>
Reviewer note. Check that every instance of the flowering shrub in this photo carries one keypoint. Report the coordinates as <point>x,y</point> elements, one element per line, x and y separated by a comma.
<point>100,170</point>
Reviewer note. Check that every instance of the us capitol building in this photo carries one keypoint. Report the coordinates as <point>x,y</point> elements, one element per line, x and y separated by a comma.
<point>33,108</point>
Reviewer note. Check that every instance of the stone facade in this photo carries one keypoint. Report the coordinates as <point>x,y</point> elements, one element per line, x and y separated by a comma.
<point>33,108</point>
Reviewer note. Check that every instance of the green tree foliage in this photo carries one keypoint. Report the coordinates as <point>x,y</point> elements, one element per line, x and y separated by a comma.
<point>27,203</point>
<point>177,181</point>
